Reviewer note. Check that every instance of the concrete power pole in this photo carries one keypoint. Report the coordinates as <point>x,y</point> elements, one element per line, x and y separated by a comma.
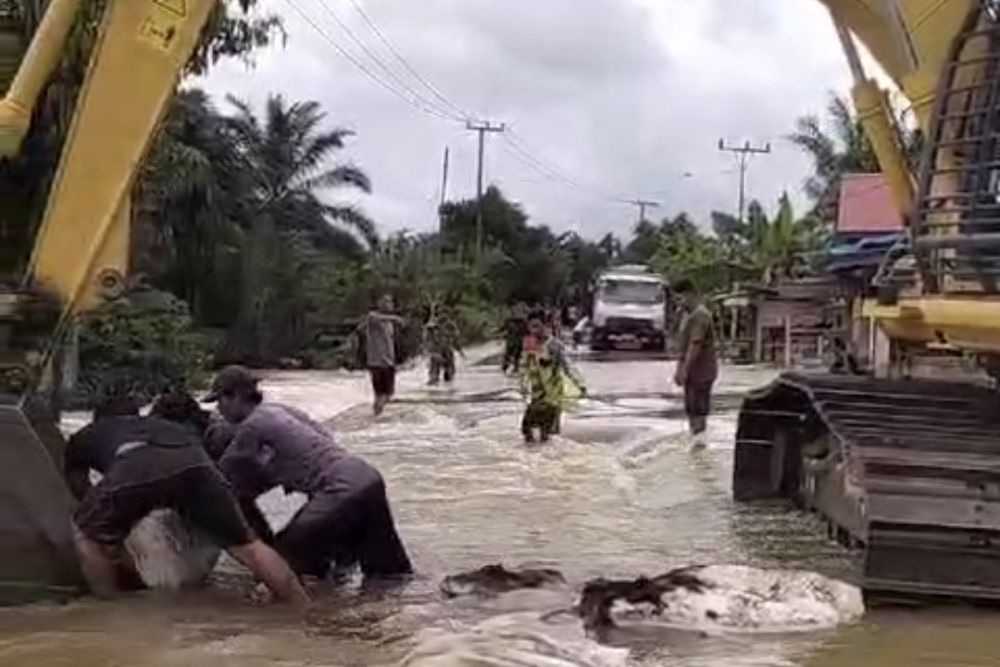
<point>444,190</point>
<point>642,205</point>
<point>482,127</point>
<point>444,198</point>
<point>743,154</point>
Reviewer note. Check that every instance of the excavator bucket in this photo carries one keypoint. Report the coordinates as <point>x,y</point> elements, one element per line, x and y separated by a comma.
<point>36,545</point>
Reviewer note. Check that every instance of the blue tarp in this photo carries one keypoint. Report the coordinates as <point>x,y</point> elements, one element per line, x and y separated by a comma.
<point>867,252</point>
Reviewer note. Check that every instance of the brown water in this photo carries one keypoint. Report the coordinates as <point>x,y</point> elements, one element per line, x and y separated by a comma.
<point>618,495</point>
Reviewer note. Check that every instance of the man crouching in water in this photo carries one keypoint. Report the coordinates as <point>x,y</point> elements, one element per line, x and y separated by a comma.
<point>346,518</point>
<point>149,463</point>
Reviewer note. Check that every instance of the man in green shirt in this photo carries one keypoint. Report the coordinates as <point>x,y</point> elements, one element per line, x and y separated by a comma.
<point>441,342</point>
<point>697,368</point>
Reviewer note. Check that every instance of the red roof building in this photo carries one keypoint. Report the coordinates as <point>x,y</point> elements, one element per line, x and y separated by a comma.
<point>865,207</point>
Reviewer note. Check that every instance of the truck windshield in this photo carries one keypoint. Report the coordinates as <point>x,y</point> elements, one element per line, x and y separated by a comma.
<point>628,291</point>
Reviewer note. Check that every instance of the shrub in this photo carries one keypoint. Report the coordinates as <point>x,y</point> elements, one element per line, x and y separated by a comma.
<point>141,344</point>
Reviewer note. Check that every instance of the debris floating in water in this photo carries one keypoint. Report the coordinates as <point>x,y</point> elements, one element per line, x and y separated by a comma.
<point>727,598</point>
<point>496,579</point>
<point>600,595</point>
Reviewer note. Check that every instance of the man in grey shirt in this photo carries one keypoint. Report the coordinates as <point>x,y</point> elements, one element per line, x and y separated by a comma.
<point>346,518</point>
<point>380,328</point>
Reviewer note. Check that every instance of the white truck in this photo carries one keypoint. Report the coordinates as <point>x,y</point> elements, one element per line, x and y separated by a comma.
<point>629,307</point>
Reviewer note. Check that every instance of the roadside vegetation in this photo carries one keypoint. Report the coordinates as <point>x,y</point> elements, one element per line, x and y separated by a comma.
<point>242,252</point>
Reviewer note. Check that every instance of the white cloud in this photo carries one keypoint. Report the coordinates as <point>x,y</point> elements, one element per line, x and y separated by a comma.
<point>627,95</point>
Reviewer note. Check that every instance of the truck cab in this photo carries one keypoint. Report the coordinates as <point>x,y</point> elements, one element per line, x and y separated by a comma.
<point>629,308</point>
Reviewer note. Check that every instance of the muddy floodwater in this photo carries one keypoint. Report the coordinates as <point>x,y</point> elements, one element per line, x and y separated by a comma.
<point>617,495</point>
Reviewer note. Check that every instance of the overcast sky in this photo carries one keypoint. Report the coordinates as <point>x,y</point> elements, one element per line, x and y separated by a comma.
<point>623,97</point>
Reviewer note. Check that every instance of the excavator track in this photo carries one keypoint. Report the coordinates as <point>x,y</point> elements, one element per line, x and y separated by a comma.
<point>907,470</point>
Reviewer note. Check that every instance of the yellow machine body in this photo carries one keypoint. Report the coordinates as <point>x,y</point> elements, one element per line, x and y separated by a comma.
<point>913,42</point>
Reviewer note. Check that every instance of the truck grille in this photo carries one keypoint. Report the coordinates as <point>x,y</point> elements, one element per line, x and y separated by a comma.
<point>628,325</point>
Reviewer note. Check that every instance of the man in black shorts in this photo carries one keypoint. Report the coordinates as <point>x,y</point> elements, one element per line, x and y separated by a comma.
<point>346,519</point>
<point>148,463</point>
<point>380,329</point>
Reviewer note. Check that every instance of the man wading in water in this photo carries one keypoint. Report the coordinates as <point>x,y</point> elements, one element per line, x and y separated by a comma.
<point>545,370</point>
<point>346,519</point>
<point>380,329</point>
<point>697,368</point>
<point>148,463</point>
<point>441,342</point>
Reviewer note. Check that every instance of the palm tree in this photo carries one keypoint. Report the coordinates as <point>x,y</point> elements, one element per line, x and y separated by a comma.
<point>845,149</point>
<point>781,243</point>
<point>190,209</point>
<point>287,155</point>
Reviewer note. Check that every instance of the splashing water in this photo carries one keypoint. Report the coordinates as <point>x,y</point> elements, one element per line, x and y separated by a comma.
<point>746,600</point>
<point>512,640</point>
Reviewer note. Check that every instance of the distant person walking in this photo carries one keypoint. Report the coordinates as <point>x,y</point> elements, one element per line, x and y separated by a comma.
<point>697,368</point>
<point>441,342</point>
<point>380,329</point>
<point>515,328</point>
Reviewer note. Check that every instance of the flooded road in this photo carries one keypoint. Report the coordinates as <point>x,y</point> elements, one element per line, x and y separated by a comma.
<point>618,495</point>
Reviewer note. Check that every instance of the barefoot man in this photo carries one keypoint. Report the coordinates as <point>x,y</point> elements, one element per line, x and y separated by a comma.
<point>697,368</point>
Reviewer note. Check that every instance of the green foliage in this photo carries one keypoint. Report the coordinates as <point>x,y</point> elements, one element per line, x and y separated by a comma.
<point>141,344</point>
<point>846,149</point>
<point>233,31</point>
<point>524,263</point>
<point>230,219</point>
<point>759,250</point>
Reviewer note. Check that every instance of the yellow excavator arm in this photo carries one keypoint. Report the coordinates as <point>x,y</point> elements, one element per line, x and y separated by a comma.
<point>81,249</point>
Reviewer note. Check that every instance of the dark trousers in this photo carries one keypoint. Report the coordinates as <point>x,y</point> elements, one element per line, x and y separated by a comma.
<point>543,417</point>
<point>512,354</point>
<point>345,526</point>
<point>442,363</point>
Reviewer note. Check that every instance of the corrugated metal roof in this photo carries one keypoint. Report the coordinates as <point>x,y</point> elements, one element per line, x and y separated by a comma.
<point>866,206</point>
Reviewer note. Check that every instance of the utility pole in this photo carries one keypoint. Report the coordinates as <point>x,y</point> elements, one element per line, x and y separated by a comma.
<point>743,154</point>
<point>482,127</point>
<point>444,198</point>
<point>643,204</point>
<point>444,189</point>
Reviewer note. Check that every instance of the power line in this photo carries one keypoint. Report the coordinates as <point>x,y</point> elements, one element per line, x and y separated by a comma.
<point>434,90</point>
<point>380,64</point>
<point>546,168</point>
<point>443,108</point>
<point>364,69</point>
<point>524,152</point>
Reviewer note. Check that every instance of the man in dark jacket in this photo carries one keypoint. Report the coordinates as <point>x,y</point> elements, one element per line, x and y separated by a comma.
<point>346,518</point>
<point>149,463</point>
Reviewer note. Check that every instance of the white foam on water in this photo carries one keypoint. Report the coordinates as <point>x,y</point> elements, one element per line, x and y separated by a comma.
<point>750,600</point>
<point>512,640</point>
